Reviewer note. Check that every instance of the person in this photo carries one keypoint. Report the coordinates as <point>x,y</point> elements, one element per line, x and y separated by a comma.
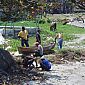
<point>23,35</point>
<point>53,26</point>
<point>28,61</point>
<point>38,52</point>
<point>38,37</point>
<point>59,37</point>
<point>45,64</point>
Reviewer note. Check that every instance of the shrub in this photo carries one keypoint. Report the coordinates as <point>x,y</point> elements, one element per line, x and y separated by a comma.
<point>42,21</point>
<point>48,20</point>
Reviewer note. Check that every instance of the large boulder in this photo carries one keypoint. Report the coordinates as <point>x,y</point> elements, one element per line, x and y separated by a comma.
<point>6,60</point>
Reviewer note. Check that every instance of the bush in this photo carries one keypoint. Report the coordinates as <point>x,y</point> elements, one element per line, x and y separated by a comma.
<point>42,21</point>
<point>48,20</point>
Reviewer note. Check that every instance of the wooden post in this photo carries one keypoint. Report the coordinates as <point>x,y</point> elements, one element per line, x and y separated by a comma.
<point>13,29</point>
<point>5,29</point>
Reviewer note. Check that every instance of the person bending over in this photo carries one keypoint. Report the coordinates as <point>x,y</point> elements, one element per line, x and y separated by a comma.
<point>45,64</point>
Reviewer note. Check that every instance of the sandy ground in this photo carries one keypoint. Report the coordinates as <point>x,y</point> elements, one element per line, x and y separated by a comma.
<point>64,74</point>
<point>70,73</point>
<point>78,23</point>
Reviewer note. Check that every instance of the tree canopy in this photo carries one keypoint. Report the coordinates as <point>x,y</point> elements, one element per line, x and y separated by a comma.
<point>79,3</point>
<point>14,9</point>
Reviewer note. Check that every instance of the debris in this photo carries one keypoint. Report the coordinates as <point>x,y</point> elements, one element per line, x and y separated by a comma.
<point>13,73</point>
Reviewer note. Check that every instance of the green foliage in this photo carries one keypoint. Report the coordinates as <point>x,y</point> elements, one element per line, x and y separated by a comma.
<point>68,37</point>
<point>48,20</point>
<point>14,43</point>
<point>20,23</point>
<point>67,30</point>
<point>32,41</point>
<point>41,21</point>
<point>1,46</point>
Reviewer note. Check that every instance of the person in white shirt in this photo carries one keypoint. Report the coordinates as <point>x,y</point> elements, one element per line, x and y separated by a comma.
<point>38,52</point>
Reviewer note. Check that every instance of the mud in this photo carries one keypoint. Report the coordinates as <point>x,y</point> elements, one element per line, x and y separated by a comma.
<point>21,76</point>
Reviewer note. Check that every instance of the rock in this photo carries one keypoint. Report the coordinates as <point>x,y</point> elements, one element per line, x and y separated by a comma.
<point>6,60</point>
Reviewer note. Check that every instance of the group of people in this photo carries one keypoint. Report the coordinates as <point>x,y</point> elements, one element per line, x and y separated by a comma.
<point>23,35</point>
<point>44,63</point>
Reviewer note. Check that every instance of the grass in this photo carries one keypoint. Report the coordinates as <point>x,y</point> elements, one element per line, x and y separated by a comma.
<point>20,23</point>
<point>67,31</point>
<point>15,43</point>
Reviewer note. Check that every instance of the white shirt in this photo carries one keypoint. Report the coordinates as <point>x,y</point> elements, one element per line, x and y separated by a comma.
<point>40,48</point>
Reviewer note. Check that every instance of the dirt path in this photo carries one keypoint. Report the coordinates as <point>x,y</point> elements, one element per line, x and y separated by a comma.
<point>71,73</point>
<point>78,23</point>
<point>76,43</point>
<point>62,75</point>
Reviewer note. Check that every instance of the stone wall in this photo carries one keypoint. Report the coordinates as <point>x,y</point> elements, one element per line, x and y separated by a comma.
<point>13,31</point>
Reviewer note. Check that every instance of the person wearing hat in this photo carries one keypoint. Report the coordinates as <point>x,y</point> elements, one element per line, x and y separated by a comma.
<point>45,64</point>
<point>23,35</point>
<point>38,52</point>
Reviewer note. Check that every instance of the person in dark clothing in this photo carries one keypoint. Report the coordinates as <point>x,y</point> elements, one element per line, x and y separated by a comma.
<point>53,26</point>
<point>45,64</point>
<point>28,61</point>
<point>38,37</point>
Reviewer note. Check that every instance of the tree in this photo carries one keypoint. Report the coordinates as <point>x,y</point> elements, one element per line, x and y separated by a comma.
<point>79,3</point>
<point>18,9</point>
<point>11,9</point>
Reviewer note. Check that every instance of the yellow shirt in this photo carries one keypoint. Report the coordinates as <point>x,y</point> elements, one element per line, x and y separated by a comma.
<point>23,34</point>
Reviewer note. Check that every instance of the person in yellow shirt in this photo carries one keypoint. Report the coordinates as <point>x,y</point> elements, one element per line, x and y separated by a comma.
<point>23,35</point>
